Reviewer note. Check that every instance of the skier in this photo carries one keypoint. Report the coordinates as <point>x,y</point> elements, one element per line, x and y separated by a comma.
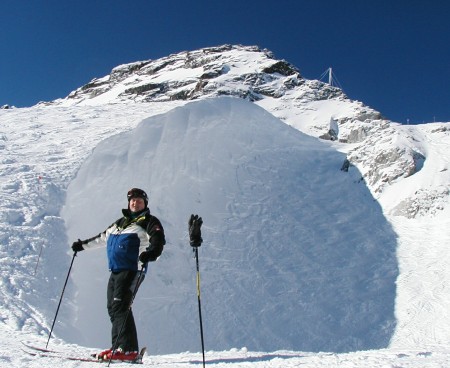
<point>136,237</point>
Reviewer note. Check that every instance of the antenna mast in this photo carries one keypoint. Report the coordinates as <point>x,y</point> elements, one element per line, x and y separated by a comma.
<point>332,80</point>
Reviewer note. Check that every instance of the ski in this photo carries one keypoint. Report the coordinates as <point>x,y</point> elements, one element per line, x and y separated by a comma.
<point>140,356</point>
<point>60,356</point>
<point>43,352</point>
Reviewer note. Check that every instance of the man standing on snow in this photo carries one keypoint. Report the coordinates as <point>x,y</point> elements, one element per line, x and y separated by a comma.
<point>136,237</point>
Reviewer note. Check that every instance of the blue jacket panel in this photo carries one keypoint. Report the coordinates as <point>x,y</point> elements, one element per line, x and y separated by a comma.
<point>123,246</point>
<point>123,251</point>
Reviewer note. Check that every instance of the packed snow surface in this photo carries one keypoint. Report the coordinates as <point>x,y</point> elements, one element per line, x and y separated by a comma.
<point>300,265</point>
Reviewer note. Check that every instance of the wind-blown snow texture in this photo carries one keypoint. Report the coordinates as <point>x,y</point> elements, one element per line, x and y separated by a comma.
<point>298,254</point>
<point>287,253</point>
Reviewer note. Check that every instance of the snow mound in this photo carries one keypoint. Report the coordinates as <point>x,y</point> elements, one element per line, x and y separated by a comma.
<point>296,255</point>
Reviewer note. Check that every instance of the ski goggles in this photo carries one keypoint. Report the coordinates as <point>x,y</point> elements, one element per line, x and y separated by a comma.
<point>136,192</point>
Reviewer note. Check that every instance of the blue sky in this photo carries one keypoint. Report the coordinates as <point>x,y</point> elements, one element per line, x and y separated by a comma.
<point>393,55</point>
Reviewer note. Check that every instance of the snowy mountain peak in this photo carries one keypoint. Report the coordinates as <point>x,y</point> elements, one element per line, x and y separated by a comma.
<point>241,71</point>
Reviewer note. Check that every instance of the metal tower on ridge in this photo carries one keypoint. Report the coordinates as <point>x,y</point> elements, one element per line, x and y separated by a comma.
<point>332,80</point>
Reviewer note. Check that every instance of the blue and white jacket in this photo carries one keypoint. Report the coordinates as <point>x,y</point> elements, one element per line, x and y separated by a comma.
<point>128,237</point>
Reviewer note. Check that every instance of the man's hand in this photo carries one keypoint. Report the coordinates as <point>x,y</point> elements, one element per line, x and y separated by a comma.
<point>147,256</point>
<point>78,246</point>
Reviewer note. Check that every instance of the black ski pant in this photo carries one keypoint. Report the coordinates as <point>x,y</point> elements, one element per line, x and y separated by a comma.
<point>119,294</point>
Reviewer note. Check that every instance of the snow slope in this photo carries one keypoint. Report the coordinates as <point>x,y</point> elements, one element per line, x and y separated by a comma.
<point>298,255</point>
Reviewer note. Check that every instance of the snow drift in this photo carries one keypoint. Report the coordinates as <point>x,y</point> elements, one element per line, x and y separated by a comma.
<point>296,255</point>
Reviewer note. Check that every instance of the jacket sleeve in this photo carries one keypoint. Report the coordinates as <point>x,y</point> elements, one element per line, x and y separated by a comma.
<point>156,238</point>
<point>94,242</point>
<point>99,240</point>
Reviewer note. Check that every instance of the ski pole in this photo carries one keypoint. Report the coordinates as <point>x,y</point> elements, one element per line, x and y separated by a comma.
<point>39,258</point>
<point>133,295</point>
<point>195,240</point>
<point>199,305</point>
<point>60,299</point>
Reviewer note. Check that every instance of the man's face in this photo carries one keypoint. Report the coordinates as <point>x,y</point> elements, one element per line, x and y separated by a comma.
<point>136,204</point>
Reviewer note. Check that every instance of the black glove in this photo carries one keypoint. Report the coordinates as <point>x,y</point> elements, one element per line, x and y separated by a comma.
<point>195,232</point>
<point>78,245</point>
<point>147,256</point>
